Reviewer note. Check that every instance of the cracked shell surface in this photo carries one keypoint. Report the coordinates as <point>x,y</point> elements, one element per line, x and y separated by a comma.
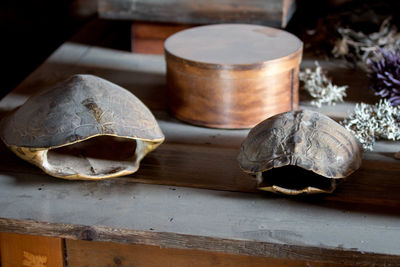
<point>80,108</point>
<point>304,138</point>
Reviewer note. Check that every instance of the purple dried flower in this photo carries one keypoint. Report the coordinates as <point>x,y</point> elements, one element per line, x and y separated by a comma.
<point>385,75</point>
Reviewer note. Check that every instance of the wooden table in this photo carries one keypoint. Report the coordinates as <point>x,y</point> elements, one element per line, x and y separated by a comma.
<point>190,195</point>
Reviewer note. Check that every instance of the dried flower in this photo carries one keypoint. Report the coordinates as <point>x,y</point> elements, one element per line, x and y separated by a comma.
<point>385,75</point>
<point>369,123</point>
<point>320,87</point>
<point>360,47</point>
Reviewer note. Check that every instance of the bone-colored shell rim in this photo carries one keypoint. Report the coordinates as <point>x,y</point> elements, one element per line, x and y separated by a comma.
<point>38,157</point>
<point>159,141</point>
<point>294,192</point>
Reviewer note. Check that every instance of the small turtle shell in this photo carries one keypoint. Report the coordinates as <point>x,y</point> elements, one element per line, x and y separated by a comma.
<point>303,138</point>
<point>75,110</point>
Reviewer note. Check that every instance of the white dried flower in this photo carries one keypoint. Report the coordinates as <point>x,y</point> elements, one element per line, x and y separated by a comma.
<point>320,87</point>
<point>369,123</point>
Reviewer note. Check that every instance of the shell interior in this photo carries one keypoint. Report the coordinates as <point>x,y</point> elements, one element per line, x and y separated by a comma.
<point>94,158</point>
<point>293,180</point>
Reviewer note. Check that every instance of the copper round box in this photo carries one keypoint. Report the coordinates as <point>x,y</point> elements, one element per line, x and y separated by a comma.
<point>232,75</point>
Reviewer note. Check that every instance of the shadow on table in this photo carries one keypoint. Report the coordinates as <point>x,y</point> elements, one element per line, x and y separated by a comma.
<point>362,192</point>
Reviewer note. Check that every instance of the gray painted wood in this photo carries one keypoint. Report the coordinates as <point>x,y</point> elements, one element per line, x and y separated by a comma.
<point>359,223</point>
<point>268,12</point>
<point>187,218</point>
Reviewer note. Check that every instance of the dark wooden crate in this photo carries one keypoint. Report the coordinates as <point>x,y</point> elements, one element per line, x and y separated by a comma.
<point>149,37</point>
<point>267,12</point>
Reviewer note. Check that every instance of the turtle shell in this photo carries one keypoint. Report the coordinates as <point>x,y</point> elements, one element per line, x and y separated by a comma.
<point>82,128</point>
<point>315,151</point>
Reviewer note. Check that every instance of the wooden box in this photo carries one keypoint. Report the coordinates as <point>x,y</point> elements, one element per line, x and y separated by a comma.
<point>149,37</point>
<point>266,12</point>
<point>232,75</point>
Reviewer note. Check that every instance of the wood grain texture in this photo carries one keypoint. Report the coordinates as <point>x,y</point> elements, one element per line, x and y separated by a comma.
<point>358,223</point>
<point>84,253</point>
<point>148,30</point>
<point>143,75</point>
<point>271,12</point>
<point>218,86</point>
<point>148,46</point>
<point>149,38</point>
<point>217,168</point>
<point>248,224</point>
<point>31,251</point>
<point>187,242</point>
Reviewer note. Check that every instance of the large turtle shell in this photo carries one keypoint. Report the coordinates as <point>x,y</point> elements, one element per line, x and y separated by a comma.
<point>305,143</point>
<point>85,109</point>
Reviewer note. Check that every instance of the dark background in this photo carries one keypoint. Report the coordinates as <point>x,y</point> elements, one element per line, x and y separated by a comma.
<point>32,29</point>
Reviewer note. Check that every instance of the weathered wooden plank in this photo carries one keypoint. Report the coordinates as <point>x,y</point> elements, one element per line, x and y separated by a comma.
<point>201,157</point>
<point>359,220</point>
<point>84,253</point>
<point>181,165</point>
<point>267,12</point>
<point>210,167</point>
<point>121,210</point>
<point>340,256</point>
<point>31,251</point>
